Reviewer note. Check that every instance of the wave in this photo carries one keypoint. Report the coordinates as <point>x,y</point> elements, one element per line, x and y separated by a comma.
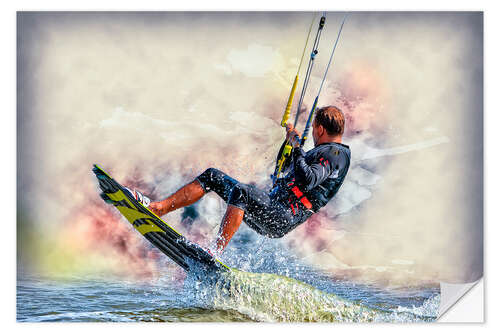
<point>274,298</point>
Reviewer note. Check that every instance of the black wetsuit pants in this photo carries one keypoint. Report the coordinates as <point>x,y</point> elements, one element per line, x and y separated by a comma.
<point>263,213</point>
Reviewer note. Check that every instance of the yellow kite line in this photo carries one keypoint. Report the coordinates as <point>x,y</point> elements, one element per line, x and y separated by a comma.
<point>286,115</point>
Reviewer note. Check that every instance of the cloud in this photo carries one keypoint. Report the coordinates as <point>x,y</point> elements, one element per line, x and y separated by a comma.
<point>254,61</point>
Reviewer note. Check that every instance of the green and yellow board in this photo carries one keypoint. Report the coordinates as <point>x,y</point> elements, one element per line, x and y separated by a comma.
<point>186,254</point>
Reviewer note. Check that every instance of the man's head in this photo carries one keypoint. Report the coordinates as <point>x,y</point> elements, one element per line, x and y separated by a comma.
<point>328,125</point>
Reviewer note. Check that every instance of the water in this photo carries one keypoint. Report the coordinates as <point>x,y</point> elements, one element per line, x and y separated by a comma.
<point>97,299</point>
<point>249,297</point>
<point>280,288</point>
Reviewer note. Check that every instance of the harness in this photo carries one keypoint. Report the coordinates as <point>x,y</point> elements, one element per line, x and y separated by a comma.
<point>297,197</point>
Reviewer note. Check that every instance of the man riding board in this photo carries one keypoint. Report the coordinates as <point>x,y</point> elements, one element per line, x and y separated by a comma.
<point>313,179</point>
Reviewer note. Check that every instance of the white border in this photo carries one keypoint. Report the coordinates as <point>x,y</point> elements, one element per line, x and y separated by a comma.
<point>470,308</point>
<point>8,33</point>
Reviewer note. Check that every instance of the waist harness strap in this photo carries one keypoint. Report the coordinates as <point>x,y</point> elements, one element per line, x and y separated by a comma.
<point>300,196</point>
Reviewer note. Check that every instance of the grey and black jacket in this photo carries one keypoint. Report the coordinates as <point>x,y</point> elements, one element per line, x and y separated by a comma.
<point>316,176</point>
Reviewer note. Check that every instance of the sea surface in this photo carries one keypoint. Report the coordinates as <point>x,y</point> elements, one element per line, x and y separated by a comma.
<point>270,286</point>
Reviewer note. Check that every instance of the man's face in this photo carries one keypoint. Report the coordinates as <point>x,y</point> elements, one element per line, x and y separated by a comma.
<point>315,133</point>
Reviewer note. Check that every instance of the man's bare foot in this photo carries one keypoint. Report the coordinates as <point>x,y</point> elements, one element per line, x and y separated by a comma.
<point>214,252</point>
<point>157,208</point>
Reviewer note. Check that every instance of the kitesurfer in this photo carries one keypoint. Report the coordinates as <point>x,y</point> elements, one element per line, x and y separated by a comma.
<point>313,179</point>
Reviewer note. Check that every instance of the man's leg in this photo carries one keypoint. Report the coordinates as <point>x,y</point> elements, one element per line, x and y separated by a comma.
<point>210,180</point>
<point>185,196</point>
<point>268,218</point>
<point>230,223</point>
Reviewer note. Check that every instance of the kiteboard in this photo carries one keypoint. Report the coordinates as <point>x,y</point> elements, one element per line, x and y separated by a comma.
<point>183,252</point>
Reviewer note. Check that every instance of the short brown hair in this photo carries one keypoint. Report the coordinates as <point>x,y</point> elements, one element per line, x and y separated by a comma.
<point>331,118</point>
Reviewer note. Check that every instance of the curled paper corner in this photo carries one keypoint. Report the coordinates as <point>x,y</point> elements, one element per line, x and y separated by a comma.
<point>457,299</point>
